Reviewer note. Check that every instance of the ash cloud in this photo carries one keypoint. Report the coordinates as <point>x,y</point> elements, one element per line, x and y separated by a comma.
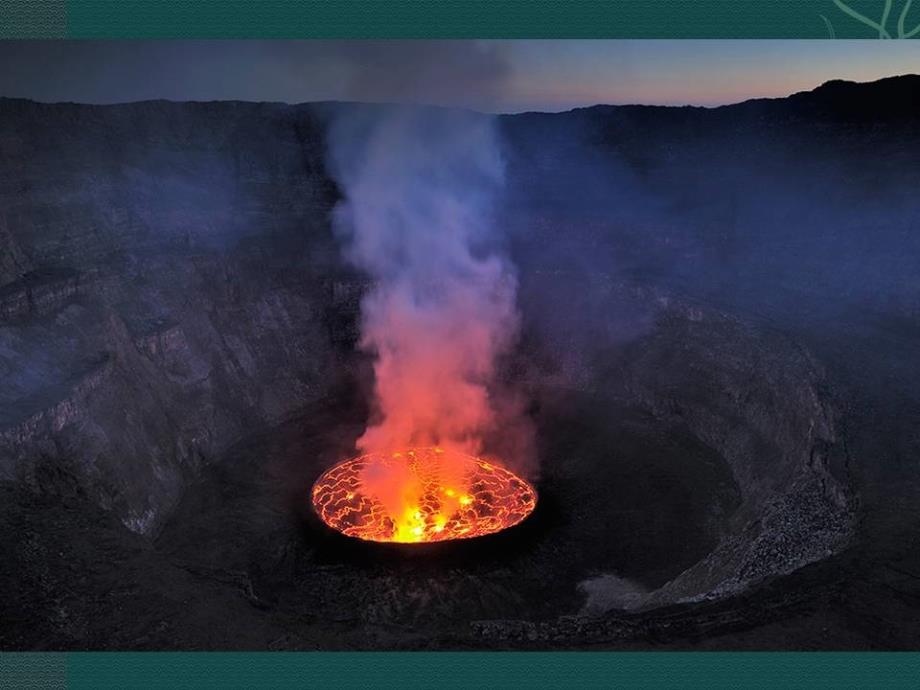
<point>421,187</point>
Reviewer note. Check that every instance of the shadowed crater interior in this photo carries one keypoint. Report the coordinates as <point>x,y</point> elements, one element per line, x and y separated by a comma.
<point>656,487</point>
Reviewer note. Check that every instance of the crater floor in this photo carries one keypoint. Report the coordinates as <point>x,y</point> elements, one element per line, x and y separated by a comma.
<point>243,563</point>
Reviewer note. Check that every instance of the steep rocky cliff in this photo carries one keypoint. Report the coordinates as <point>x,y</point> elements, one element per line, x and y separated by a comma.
<point>164,287</point>
<point>748,392</point>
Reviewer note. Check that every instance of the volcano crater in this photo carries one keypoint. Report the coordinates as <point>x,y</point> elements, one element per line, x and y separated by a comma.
<point>691,464</point>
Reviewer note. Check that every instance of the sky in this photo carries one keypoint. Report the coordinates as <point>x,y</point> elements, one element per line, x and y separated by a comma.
<point>491,76</point>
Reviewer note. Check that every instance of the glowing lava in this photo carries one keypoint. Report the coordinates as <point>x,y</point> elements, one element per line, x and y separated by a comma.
<point>421,495</point>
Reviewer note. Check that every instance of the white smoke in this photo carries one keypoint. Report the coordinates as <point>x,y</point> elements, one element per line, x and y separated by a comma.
<point>420,186</point>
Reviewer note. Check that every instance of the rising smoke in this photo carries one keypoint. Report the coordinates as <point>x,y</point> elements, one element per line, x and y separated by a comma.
<point>420,187</point>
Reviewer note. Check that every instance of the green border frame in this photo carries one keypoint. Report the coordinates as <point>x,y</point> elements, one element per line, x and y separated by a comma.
<point>635,19</point>
<point>448,670</point>
<point>136,19</point>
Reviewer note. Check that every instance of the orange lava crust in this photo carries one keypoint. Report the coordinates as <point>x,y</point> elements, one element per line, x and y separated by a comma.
<point>447,495</point>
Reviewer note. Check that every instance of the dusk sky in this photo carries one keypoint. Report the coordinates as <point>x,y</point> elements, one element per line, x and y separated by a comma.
<point>493,76</point>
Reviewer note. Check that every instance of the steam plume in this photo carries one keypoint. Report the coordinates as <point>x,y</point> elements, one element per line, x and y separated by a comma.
<point>420,185</point>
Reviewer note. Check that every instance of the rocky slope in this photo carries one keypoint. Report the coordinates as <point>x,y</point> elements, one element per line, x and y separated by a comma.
<point>165,289</point>
<point>759,400</point>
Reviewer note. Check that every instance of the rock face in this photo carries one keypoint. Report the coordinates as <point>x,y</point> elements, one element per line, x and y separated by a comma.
<point>763,404</point>
<point>164,282</point>
<point>756,398</point>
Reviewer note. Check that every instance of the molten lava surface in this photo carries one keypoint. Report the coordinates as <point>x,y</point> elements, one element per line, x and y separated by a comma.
<point>421,495</point>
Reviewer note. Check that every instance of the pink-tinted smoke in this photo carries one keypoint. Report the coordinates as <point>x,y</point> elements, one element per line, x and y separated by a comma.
<point>420,187</point>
